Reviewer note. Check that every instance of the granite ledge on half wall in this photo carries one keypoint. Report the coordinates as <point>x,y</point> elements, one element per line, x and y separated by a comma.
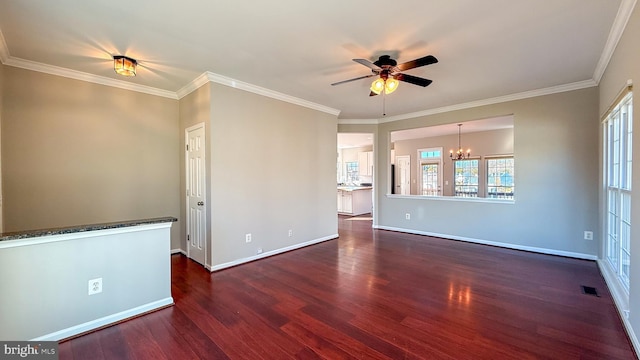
<point>82,228</point>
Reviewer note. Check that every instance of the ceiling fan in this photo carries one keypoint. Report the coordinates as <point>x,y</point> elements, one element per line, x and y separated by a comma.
<point>390,74</point>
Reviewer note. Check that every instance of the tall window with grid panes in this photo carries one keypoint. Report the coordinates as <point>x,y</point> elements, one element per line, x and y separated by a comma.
<point>466,177</point>
<point>500,183</point>
<point>618,131</point>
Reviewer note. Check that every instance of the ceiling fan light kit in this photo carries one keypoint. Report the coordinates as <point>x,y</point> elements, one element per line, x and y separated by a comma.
<point>377,86</point>
<point>391,85</point>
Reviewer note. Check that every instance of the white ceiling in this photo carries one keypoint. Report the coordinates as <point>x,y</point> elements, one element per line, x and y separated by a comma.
<point>354,140</point>
<point>486,49</point>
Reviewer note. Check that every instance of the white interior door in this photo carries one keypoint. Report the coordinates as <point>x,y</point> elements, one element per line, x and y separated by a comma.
<point>195,179</point>
<point>403,177</point>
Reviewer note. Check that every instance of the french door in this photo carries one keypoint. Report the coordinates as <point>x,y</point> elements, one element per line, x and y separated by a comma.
<point>430,184</point>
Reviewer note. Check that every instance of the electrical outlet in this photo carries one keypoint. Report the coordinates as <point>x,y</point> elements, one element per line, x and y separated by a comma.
<point>588,235</point>
<point>290,233</point>
<point>407,216</point>
<point>247,238</point>
<point>95,286</point>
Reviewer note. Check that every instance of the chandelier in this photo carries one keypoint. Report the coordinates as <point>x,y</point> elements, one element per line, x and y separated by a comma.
<point>459,154</point>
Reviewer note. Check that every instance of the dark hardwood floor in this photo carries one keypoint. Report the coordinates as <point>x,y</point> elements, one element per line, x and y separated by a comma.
<point>375,295</point>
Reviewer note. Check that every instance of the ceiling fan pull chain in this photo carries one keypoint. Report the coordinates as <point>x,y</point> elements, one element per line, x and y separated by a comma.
<point>384,103</point>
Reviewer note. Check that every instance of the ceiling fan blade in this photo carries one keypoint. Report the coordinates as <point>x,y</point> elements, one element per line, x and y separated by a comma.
<point>427,60</point>
<point>354,79</point>
<point>372,94</point>
<point>413,79</point>
<point>368,64</point>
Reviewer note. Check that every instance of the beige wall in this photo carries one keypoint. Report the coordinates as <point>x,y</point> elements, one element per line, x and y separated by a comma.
<point>273,169</point>
<point>195,108</point>
<point>103,154</point>
<point>75,152</point>
<point>556,179</point>
<point>625,65</point>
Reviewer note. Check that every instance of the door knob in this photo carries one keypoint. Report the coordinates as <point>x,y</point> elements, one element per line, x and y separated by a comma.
<point>200,203</point>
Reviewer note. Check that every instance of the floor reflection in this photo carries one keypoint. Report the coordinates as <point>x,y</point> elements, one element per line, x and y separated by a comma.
<point>459,295</point>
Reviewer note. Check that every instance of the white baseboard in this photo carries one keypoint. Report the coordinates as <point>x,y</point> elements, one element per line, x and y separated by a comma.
<point>269,253</point>
<point>104,321</point>
<point>178,251</point>
<point>494,243</point>
<point>621,301</point>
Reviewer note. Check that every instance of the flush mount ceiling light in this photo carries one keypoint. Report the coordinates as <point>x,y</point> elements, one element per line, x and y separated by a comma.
<point>460,154</point>
<point>124,66</point>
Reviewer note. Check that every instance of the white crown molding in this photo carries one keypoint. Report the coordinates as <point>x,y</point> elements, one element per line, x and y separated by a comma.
<point>617,29</point>
<point>9,60</point>
<point>223,80</point>
<point>227,81</point>
<point>496,100</point>
<point>358,121</point>
<point>620,22</point>
<point>4,50</point>
<point>194,85</point>
<point>82,76</point>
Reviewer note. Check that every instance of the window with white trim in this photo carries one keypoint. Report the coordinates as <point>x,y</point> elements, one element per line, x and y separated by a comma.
<point>618,130</point>
<point>465,177</point>
<point>352,172</point>
<point>500,172</point>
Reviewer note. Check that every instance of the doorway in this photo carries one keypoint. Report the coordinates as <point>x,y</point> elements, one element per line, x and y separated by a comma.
<point>403,175</point>
<point>195,165</point>
<point>355,170</point>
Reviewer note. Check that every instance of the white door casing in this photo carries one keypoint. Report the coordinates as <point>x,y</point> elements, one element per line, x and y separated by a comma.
<point>403,177</point>
<point>195,180</point>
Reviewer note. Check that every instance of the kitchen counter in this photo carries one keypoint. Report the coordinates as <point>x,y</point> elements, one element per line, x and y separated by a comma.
<point>81,228</point>
<point>354,188</point>
<point>354,200</point>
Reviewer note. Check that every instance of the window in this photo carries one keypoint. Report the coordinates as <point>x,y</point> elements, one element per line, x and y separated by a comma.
<point>617,151</point>
<point>427,154</point>
<point>352,172</point>
<point>466,178</point>
<point>500,178</point>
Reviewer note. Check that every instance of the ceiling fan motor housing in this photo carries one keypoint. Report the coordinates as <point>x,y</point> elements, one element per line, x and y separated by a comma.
<point>385,61</point>
<point>387,64</point>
